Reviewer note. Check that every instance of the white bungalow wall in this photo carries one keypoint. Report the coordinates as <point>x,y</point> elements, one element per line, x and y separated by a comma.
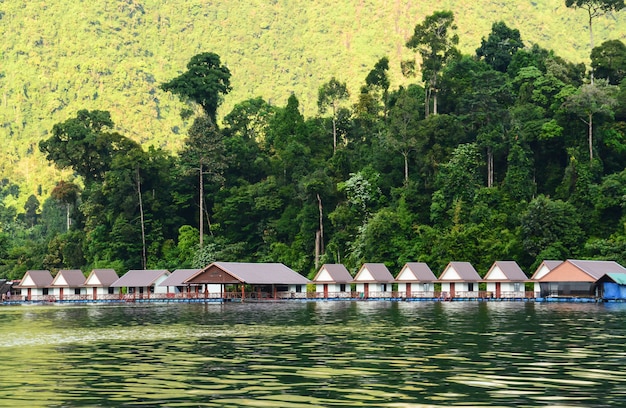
<point>162,289</point>
<point>332,288</point>
<point>406,274</point>
<point>324,276</point>
<point>496,274</point>
<point>506,289</point>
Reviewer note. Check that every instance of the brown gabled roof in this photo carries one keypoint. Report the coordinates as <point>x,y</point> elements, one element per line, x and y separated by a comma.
<point>505,271</point>
<point>582,271</point>
<point>373,272</point>
<point>139,278</point>
<point>549,265</point>
<point>68,278</point>
<point>459,272</point>
<point>416,272</point>
<point>251,273</point>
<point>36,279</point>
<point>101,278</point>
<point>178,277</point>
<point>335,273</point>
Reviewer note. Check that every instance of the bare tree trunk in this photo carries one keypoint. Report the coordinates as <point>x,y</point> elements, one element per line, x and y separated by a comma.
<point>590,127</point>
<point>406,167</point>
<point>201,193</point>
<point>321,213</point>
<point>67,215</point>
<point>591,38</point>
<point>489,167</point>
<point>427,102</point>
<point>317,249</point>
<point>334,129</point>
<point>434,102</point>
<point>143,228</point>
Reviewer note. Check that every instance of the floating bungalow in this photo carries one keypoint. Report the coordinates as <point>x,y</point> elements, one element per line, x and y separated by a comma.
<point>576,278</point>
<point>373,280</point>
<point>542,270</point>
<point>415,279</point>
<point>459,279</point>
<point>176,286</point>
<point>36,283</point>
<point>505,280</point>
<point>68,284</point>
<point>99,282</point>
<point>141,284</point>
<point>332,281</point>
<point>250,281</point>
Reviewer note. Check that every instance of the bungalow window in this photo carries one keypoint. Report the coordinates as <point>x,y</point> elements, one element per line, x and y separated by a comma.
<point>427,287</point>
<point>342,287</point>
<point>298,288</point>
<point>383,287</point>
<point>111,291</point>
<point>44,291</point>
<point>516,286</point>
<point>77,291</point>
<point>470,287</point>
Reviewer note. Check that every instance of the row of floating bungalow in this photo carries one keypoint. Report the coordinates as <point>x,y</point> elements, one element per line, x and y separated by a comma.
<point>219,281</point>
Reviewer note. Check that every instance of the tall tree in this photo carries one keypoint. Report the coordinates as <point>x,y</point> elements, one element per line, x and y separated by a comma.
<point>591,100</point>
<point>84,145</point>
<point>205,82</point>
<point>404,127</point>
<point>498,49</point>
<point>204,153</point>
<point>609,61</point>
<point>377,80</point>
<point>67,193</point>
<point>331,94</point>
<point>434,42</point>
<point>595,8</point>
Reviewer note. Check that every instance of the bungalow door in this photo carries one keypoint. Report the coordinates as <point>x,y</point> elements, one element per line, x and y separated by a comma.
<point>60,293</point>
<point>326,291</point>
<point>95,293</point>
<point>408,289</point>
<point>498,289</point>
<point>366,290</point>
<point>451,289</point>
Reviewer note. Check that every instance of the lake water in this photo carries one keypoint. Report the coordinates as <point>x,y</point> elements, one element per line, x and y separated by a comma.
<point>314,354</point>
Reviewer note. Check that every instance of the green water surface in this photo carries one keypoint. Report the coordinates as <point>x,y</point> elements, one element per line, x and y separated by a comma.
<point>314,354</point>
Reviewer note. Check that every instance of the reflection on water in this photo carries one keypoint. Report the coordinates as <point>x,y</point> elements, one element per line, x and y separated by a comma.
<point>293,354</point>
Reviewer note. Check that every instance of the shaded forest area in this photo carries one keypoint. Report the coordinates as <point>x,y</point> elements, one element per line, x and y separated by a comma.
<point>512,152</point>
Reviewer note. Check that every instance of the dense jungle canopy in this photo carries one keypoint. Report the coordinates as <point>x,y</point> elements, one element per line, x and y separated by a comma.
<point>378,134</point>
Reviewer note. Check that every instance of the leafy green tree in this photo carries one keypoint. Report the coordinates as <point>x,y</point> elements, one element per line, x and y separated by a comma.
<point>591,100</point>
<point>457,182</point>
<point>84,145</point>
<point>595,8</point>
<point>436,45</point>
<point>377,80</point>
<point>331,94</point>
<point>550,224</point>
<point>31,211</point>
<point>518,182</point>
<point>498,49</point>
<point>609,61</point>
<point>204,153</point>
<point>205,82</point>
<point>403,127</point>
<point>66,193</point>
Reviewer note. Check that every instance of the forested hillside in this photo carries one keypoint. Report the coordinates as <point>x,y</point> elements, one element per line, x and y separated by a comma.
<point>494,143</point>
<point>60,56</point>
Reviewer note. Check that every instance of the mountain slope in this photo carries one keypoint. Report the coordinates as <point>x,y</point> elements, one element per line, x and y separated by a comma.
<point>60,56</point>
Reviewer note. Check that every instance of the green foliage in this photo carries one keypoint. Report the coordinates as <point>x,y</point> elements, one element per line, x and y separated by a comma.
<point>204,83</point>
